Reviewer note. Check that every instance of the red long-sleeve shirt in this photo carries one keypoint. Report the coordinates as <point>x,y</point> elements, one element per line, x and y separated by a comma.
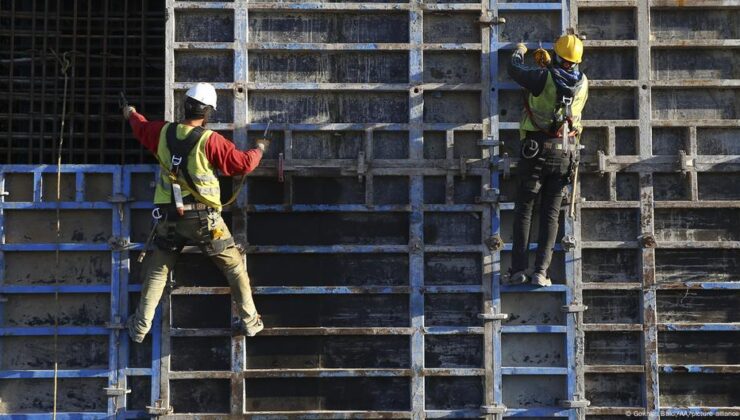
<point>220,152</point>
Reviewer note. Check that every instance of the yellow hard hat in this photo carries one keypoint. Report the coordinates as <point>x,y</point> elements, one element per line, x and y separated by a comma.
<point>570,48</point>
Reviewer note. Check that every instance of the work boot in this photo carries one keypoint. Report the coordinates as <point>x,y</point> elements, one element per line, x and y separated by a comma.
<point>135,336</point>
<point>541,279</point>
<point>520,277</point>
<point>238,328</point>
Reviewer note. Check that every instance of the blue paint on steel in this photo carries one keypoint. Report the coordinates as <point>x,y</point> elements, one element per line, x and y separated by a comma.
<point>51,289</point>
<point>534,370</point>
<point>53,247</point>
<point>555,288</point>
<point>529,6</point>
<point>527,329</point>
<point>46,374</point>
<point>156,333</point>
<point>39,331</point>
<point>537,412</point>
<point>60,416</point>
<point>702,327</point>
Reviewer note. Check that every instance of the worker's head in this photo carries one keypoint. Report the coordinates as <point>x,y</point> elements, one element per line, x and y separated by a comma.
<point>569,51</point>
<point>200,101</point>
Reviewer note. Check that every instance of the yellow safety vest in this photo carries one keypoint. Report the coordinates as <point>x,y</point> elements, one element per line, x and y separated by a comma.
<point>545,108</point>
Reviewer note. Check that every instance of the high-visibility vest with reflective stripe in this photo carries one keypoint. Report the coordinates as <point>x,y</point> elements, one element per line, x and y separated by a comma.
<point>544,108</point>
<point>201,170</point>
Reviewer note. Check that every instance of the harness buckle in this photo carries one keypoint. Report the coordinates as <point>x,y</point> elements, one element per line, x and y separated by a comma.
<point>567,100</point>
<point>176,160</point>
<point>533,146</point>
<point>156,213</point>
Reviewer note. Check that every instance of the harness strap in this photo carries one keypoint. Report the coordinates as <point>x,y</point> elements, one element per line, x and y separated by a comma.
<point>180,151</point>
<point>549,133</point>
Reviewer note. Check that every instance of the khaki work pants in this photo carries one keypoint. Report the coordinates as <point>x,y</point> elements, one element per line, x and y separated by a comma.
<point>161,261</point>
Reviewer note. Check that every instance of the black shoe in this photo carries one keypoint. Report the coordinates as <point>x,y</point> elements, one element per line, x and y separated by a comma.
<point>238,328</point>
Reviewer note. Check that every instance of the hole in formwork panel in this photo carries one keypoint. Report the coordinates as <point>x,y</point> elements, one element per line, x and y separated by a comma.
<point>98,187</point>
<point>625,141</point>
<point>200,395</point>
<point>530,26</point>
<point>611,104</point>
<point>613,348</point>
<point>435,188</point>
<point>451,28</point>
<point>670,24</point>
<point>142,185</point>
<point>49,187</point>
<point>197,66</point>
<point>610,224</point>
<point>390,145</point>
<point>452,107</point>
<point>511,104</point>
<point>328,190</point>
<point>338,27</point>
<point>699,389</point>
<point>698,306</point>
<point>334,107</point>
<point>224,112</point>
<point>610,64</point>
<point>533,391</point>
<point>612,307</point>
<point>328,352</point>
<point>37,353</point>
<point>699,347</point>
<point>611,265</point>
<point>557,267</point>
<point>676,64</point>
<point>324,145</point>
<point>507,225</point>
<point>695,104</point>
<point>452,309</point>
<point>140,396</point>
<point>628,187</point>
<point>670,186</point>
<point>678,265</point>
<point>201,353</point>
<point>718,141</point>
<point>301,394</point>
<point>718,186</point>
<point>19,187</point>
<point>452,67</point>
<point>452,228</point>
<point>334,310</point>
<point>276,147</point>
<point>328,229</point>
<point>533,308</point>
<point>509,143</point>
<point>204,25</point>
<point>534,350</point>
<point>39,310</point>
<point>614,390</point>
<point>697,225</point>
<point>334,269</point>
<point>451,393</point>
<point>74,268</point>
<point>593,187</point>
<point>452,269</point>
<point>188,311</point>
<point>455,351</point>
<point>35,395</point>
<point>39,226</point>
<point>599,24</point>
<point>262,190</point>
<point>669,140</point>
<point>466,144</point>
<point>391,190</point>
<point>435,145</point>
<point>329,67</point>
<point>595,139</point>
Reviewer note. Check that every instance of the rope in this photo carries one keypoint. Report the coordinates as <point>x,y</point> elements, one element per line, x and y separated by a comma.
<point>64,64</point>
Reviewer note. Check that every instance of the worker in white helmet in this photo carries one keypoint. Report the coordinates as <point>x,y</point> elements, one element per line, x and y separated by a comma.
<point>188,199</point>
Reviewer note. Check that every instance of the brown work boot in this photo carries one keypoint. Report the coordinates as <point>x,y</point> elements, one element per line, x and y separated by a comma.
<point>541,279</point>
<point>132,333</point>
<point>520,277</point>
<point>238,328</point>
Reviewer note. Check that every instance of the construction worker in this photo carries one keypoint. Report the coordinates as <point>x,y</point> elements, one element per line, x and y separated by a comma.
<point>190,207</point>
<point>557,93</point>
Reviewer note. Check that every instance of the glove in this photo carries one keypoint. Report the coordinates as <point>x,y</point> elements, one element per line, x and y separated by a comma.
<point>263,144</point>
<point>521,47</point>
<point>127,110</point>
<point>542,57</point>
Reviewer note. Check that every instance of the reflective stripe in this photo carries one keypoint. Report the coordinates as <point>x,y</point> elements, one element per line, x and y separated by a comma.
<point>204,178</point>
<point>543,108</point>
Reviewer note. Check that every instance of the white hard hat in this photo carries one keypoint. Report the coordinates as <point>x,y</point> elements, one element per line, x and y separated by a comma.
<point>204,93</point>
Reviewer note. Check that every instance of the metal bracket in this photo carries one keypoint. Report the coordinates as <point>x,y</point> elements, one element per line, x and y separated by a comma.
<point>361,166</point>
<point>116,324</point>
<point>575,307</point>
<point>119,199</point>
<point>647,240</point>
<point>489,142</point>
<point>116,392</point>
<point>118,243</point>
<point>4,193</point>
<point>684,161</point>
<point>505,165</point>
<point>493,317</point>
<point>157,409</point>
<point>463,167</point>
<point>415,245</point>
<point>494,243</point>
<point>575,403</point>
<point>602,161</point>
<point>493,409</point>
<point>489,195</point>
<point>281,168</point>
<point>239,90</point>
<point>569,243</point>
<point>489,19</point>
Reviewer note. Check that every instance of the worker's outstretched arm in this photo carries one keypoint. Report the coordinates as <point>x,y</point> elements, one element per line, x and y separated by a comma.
<point>228,159</point>
<point>145,131</point>
<point>531,78</point>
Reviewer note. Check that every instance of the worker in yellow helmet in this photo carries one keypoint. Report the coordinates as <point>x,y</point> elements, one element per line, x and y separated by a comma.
<point>549,131</point>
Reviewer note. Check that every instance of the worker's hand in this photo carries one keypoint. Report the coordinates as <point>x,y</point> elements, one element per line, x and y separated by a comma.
<point>263,144</point>
<point>542,57</point>
<point>127,110</point>
<point>521,48</point>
